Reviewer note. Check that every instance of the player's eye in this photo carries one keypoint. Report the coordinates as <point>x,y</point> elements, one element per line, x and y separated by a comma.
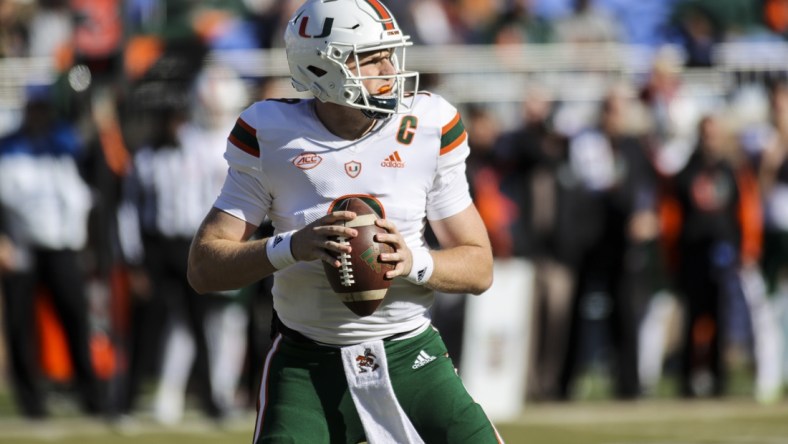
<point>378,57</point>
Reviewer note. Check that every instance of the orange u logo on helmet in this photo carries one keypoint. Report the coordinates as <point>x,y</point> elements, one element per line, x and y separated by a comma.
<point>328,23</point>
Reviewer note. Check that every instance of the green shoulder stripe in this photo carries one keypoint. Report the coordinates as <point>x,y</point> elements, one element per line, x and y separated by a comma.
<point>244,137</point>
<point>452,134</point>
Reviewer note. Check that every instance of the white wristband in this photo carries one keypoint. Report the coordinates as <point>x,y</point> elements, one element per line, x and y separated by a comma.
<point>422,268</point>
<point>278,249</point>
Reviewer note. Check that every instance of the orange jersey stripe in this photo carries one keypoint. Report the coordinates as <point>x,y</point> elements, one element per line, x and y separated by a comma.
<point>448,127</point>
<point>246,126</point>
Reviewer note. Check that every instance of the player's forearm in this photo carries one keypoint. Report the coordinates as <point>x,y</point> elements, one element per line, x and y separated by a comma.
<point>218,265</point>
<point>463,269</point>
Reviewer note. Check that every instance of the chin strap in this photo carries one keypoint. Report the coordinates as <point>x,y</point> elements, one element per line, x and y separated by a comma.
<point>379,103</point>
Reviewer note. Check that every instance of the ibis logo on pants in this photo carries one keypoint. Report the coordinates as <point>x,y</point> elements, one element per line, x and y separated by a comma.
<point>367,362</point>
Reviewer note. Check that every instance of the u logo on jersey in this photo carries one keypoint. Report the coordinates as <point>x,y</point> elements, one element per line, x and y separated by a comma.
<point>353,169</point>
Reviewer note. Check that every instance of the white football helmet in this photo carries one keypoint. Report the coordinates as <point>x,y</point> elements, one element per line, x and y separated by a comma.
<point>323,34</point>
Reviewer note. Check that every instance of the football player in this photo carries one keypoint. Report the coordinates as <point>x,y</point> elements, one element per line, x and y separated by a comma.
<point>331,375</point>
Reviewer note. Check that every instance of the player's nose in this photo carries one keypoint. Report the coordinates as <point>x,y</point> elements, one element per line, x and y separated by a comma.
<point>387,67</point>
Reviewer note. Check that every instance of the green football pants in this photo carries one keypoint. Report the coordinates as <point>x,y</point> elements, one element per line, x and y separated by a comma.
<point>304,398</point>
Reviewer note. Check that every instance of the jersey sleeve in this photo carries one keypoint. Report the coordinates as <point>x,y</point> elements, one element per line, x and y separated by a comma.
<point>244,194</point>
<point>243,147</point>
<point>450,191</point>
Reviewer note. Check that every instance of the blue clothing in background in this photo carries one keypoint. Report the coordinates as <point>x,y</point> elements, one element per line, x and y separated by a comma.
<point>643,21</point>
<point>60,140</point>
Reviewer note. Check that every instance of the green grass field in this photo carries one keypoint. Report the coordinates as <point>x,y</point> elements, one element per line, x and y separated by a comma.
<point>727,421</point>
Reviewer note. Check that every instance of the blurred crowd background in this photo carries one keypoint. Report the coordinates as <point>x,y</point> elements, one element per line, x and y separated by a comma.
<point>634,153</point>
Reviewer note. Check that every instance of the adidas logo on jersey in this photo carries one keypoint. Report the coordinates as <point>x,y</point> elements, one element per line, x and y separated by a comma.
<point>421,360</point>
<point>393,161</point>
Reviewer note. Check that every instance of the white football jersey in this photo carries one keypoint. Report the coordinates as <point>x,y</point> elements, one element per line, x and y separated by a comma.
<point>285,165</point>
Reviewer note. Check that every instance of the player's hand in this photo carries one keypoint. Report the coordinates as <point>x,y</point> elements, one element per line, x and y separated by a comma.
<point>402,258</point>
<point>318,240</point>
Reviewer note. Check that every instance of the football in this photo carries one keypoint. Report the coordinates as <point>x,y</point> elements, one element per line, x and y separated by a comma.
<point>360,280</point>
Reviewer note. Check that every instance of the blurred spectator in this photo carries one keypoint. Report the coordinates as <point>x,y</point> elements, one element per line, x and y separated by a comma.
<point>220,95</point>
<point>160,254</point>
<point>51,28</point>
<point>708,254</point>
<point>218,24</point>
<point>673,112</point>
<point>773,177</point>
<point>773,180</point>
<point>775,16</point>
<point>496,210</point>
<point>98,34</point>
<point>14,38</point>
<point>469,17</point>
<point>766,337</point>
<point>484,177</point>
<point>759,331</point>
<point>272,23</point>
<point>748,285</point>
<point>224,28</point>
<point>698,32</point>
<point>44,210</point>
<point>618,184</point>
<point>534,160</point>
<point>588,24</point>
<point>432,23</point>
<point>517,24</point>
<point>173,184</point>
<point>698,26</point>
